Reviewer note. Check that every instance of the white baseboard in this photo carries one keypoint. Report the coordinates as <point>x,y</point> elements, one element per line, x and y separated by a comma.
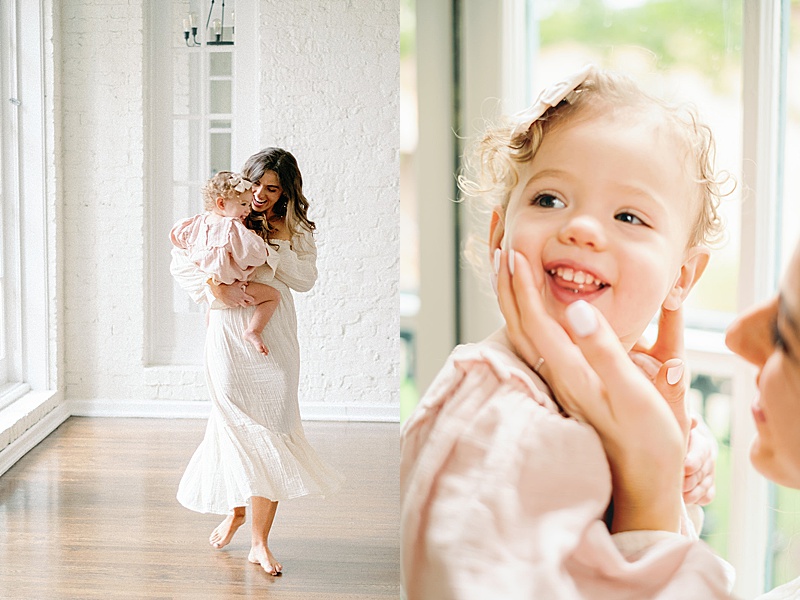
<point>156,409</point>
<point>32,436</point>
<point>187,409</point>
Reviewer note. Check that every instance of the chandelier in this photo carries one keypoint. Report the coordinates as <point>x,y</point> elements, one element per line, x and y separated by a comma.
<point>215,29</point>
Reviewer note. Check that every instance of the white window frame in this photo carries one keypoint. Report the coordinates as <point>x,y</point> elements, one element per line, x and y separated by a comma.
<point>477,77</point>
<point>32,406</point>
<point>11,386</point>
<point>158,174</point>
<point>26,267</point>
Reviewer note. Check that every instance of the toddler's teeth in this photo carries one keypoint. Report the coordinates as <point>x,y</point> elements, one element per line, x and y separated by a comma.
<point>567,276</point>
<point>580,277</point>
<point>588,280</point>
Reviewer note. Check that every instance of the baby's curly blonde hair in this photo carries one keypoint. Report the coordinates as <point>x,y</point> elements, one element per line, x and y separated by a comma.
<point>221,185</point>
<point>499,153</point>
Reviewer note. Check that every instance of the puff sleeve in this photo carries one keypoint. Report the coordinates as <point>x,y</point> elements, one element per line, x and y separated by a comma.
<point>295,264</point>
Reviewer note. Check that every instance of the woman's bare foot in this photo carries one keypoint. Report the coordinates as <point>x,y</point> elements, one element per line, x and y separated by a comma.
<point>222,535</point>
<point>260,555</point>
<point>255,339</point>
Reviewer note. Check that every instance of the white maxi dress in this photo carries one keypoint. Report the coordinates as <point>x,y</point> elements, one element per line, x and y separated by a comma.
<point>254,443</point>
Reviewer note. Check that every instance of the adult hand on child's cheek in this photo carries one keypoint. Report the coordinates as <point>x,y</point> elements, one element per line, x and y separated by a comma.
<point>594,380</point>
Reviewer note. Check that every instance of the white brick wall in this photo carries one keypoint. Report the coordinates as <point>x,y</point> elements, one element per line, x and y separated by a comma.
<point>103,210</point>
<point>329,89</point>
<point>329,84</point>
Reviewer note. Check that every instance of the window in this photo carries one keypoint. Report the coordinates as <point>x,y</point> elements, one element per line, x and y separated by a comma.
<point>7,191</point>
<point>195,116</point>
<point>11,355</point>
<point>28,353</point>
<point>409,242</point>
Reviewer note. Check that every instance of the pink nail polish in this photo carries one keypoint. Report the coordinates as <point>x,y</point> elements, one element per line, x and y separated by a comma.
<point>581,318</point>
<point>674,374</point>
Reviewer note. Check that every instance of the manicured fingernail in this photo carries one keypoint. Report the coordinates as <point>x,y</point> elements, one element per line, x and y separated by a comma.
<point>497,260</point>
<point>581,318</point>
<point>674,374</point>
<point>511,261</point>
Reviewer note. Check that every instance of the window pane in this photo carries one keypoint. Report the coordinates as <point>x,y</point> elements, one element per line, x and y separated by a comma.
<point>791,175</point>
<point>220,97</point>
<point>680,50</point>
<point>783,540</point>
<point>221,64</point>
<point>220,152</point>
<point>710,397</point>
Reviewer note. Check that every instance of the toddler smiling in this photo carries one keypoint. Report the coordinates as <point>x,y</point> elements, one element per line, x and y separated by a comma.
<point>611,196</point>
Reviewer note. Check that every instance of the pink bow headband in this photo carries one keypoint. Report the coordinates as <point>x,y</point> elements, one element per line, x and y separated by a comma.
<point>550,97</point>
<point>239,183</point>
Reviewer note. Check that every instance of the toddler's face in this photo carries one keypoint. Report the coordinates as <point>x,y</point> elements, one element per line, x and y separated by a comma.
<point>238,207</point>
<point>604,209</point>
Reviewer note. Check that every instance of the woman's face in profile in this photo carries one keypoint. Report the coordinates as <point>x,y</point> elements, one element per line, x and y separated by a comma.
<point>266,191</point>
<point>769,337</point>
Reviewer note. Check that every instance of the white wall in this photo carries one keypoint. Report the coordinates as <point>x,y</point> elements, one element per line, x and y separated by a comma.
<point>329,93</point>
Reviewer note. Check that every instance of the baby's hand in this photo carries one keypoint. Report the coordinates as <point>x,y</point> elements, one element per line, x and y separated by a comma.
<point>701,454</point>
<point>698,468</point>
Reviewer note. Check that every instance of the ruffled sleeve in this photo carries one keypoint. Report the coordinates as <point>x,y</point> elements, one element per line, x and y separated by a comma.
<point>295,264</point>
<point>243,252</point>
<point>182,231</point>
<point>504,497</point>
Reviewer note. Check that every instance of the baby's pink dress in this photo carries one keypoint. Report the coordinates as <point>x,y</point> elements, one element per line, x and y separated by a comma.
<point>503,497</point>
<point>225,250</point>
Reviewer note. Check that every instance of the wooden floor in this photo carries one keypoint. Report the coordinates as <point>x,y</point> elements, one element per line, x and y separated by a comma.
<point>91,513</point>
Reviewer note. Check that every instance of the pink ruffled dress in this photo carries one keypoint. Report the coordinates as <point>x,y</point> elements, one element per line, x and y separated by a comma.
<point>502,496</point>
<point>225,249</point>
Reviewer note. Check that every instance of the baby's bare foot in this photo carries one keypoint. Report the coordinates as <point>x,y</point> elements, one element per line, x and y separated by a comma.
<point>260,555</point>
<point>255,339</point>
<point>222,535</point>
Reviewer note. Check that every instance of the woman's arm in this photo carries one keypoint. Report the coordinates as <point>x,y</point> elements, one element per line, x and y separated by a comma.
<point>200,287</point>
<point>297,265</point>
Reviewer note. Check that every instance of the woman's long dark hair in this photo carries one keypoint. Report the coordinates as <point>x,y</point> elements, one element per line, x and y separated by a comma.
<point>292,205</point>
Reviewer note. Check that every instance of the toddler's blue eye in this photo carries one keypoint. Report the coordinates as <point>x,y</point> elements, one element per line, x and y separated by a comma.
<point>629,218</point>
<point>547,201</point>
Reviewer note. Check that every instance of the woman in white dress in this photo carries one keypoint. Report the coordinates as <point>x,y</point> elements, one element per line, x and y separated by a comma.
<point>254,450</point>
<point>641,437</point>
